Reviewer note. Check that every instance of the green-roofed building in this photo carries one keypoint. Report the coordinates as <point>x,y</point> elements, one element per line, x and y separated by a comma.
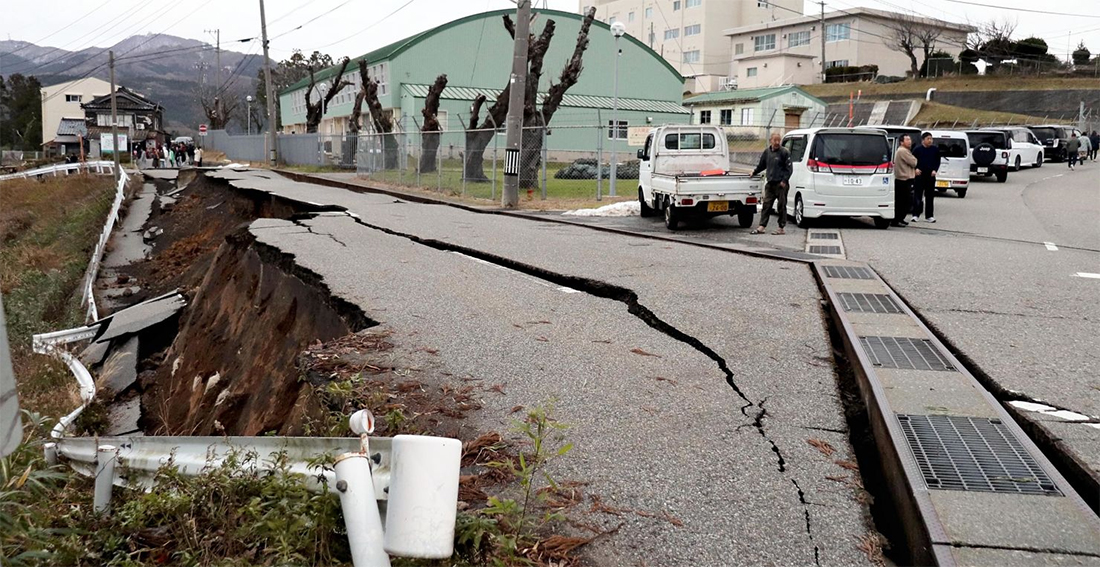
<point>758,111</point>
<point>476,54</point>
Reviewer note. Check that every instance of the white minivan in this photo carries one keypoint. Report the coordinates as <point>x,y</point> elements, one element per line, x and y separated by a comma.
<point>954,172</point>
<point>1025,150</point>
<point>840,172</point>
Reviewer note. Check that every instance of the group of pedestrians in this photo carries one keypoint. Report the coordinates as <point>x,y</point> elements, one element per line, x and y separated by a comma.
<point>1089,143</point>
<point>915,171</point>
<point>170,155</point>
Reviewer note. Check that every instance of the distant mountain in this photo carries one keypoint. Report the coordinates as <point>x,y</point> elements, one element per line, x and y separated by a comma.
<point>165,68</point>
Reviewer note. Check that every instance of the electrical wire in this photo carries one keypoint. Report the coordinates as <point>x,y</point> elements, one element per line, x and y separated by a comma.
<point>1025,10</point>
<point>55,32</point>
<point>311,20</point>
<point>384,18</point>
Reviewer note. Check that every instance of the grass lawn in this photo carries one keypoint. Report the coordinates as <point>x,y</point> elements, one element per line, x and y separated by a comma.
<point>949,84</point>
<point>47,232</point>
<point>951,117</point>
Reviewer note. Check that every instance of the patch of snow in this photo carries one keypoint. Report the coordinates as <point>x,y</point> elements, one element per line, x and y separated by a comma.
<point>567,289</point>
<point>1067,415</point>
<point>1093,425</point>
<point>233,165</point>
<point>623,209</point>
<point>1029,406</point>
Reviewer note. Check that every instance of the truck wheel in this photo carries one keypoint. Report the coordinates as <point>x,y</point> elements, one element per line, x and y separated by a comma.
<point>745,216</point>
<point>961,193</point>
<point>672,218</point>
<point>881,223</point>
<point>800,213</point>
<point>1002,176</point>
<point>1039,162</point>
<point>646,210</point>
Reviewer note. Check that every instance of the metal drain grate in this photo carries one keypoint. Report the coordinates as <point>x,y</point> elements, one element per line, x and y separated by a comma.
<point>848,273</point>
<point>869,303</point>
<point>835,250</point>
<point>973,454</point>
<point>903,353</point>
<point>824,236</point>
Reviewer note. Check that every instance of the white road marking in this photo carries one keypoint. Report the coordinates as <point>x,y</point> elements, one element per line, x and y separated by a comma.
<point>1088,275</point>
<point>1050,246</point>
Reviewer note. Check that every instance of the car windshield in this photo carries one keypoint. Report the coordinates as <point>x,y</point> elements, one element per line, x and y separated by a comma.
<point>995,139</point>
<point>851,149</point>
<point>951,147</point>
<point>1045,134</point>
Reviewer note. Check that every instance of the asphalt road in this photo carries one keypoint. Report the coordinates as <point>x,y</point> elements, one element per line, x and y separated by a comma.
<point>547,313</point>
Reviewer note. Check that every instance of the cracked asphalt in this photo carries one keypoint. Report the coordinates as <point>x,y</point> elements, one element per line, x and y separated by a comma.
<point>666,434</point>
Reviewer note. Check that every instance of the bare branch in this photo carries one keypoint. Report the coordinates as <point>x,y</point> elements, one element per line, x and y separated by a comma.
<point>572,71</point>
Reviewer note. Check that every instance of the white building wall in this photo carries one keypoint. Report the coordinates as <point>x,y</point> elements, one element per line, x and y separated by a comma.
<point>55,105</point>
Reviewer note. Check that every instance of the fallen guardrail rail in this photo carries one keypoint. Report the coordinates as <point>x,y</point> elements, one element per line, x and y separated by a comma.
<point>100,167</point>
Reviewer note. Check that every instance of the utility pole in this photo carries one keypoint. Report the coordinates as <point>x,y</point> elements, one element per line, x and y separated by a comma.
<point>114,116</point>
<point>822,41</point>
<point>270,92</point>
<point>217,78</point>
<point>514,125</point>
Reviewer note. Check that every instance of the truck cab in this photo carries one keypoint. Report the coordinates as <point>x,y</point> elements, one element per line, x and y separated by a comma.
<point>683,173</point>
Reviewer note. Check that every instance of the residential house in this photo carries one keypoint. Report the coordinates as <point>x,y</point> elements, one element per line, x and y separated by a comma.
<point>139,118</point>
<point>63,100</point>
<point>788,51</point>
<point>690,34</point>
<point>756,113</point>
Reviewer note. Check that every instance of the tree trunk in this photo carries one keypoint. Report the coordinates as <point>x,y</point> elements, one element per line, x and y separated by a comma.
<point>383,123</point>
<point>914,69</point>
<point>315,110</point>
<point>429,132</point>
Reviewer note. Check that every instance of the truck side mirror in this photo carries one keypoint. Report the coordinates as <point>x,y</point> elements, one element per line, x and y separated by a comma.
<point>641,155</point>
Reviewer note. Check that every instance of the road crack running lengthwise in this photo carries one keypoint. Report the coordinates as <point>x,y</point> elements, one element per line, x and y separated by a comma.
<point>634,307</point>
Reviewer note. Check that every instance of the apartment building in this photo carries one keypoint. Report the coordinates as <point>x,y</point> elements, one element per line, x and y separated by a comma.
<point>63,100</point>
<point>690,34</point>
<point>788,51</point>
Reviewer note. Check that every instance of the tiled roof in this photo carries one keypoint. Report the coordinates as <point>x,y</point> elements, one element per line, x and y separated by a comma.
<point>747,95</point>
<point>72,127</point>
<point>569,100</point>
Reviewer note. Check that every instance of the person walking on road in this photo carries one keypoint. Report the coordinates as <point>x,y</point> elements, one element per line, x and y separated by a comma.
<point>198,157</point>
<point>928,165</point>
<point>1072,147</point>
<point>1094,140</point>
<point>776,162</point>
<point>905,169</point>
<point>1086,148</point>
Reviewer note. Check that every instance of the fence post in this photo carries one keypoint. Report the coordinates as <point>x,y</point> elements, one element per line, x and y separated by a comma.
<point>599,160</point>
<point>438,161</point>
<point>545,155</point>
<point>768,128</point>
<point>493,195</point>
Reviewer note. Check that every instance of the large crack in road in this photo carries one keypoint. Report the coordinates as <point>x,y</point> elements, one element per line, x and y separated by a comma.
<point>628,297</point>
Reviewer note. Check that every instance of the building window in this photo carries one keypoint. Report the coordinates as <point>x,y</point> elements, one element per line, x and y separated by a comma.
<point>739,49</point>
<point>750,72</point>
<point>630,17</point>
<point>746,116</point>
<point>764,42</point>
<point>693,30</point>
<point>837,63</point>
<point>693,3</point>
<point>672,34</point>
<point>73,98</point>
<point>838,32</point>
<point>725,116</point>
<point>124,120</point>
<point>611,20</point>
<point>676,5</point>
<point>798,39</point>
<point>762,3</point>
<point>704,117</point>
<point>649,12</point>
<point>691,56</point>
<point>619,133</point>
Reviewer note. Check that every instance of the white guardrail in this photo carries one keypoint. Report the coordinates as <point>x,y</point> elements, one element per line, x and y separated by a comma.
<point>100,167</point>
<point>417,476</point>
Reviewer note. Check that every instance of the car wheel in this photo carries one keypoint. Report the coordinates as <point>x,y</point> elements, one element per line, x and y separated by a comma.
<point>1017,167</point>
<point>646,210</point>
<point>800,213</point>
<point>881,223</point>
<point>672,220</point>
<point>1039,162</point>
<point>961,193</point>
<point>1002,176</point>
<point>744,217</point>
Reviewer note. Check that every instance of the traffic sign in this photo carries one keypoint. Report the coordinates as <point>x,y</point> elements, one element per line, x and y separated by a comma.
<point>202,128</point>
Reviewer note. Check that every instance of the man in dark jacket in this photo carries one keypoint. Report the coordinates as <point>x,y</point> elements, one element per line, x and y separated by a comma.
<point>1094,139</point>
<point>928,165</point>
<point>776,161</point>
<point>1073,147</point>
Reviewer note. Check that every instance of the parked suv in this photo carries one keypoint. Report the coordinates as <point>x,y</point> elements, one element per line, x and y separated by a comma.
<point>954,172</point>
<point>843,172</point>
<point>1053,138</point>
<point>1026,148</point>
<point>989,153</point>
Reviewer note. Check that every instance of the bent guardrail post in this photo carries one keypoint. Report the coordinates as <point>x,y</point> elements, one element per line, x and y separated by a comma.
<point>355,485</point>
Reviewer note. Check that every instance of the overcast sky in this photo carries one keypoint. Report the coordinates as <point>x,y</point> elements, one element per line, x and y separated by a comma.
<point>353,27</point>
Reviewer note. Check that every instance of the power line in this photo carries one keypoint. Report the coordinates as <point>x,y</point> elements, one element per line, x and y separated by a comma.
<point>384,18</point>
<point>313,19</point>
<point>39,41</point>
<point>1025,10</point>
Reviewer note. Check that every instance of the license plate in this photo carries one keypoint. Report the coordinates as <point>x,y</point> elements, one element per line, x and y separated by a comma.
<point>718,206</point>
<point>983,170</point>
<point>851,180</point>
<point>943,184</point>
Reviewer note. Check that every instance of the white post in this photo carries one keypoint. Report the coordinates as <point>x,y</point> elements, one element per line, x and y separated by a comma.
<point>361,518</point>
<point>50,452</point>
<point>104,477</point>
<point>420,518</point>
<point>617,29</point>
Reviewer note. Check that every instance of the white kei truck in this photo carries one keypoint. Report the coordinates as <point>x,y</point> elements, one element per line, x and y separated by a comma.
<point>684,172</point>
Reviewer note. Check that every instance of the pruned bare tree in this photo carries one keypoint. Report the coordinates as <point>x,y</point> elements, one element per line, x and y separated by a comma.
<point>219,110</point>
<point>478,136</point>
<point>381,122</point>
<point>907,35</point>
<point>993,40</point>
<point>316,110</point>
<point>429,131</point>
